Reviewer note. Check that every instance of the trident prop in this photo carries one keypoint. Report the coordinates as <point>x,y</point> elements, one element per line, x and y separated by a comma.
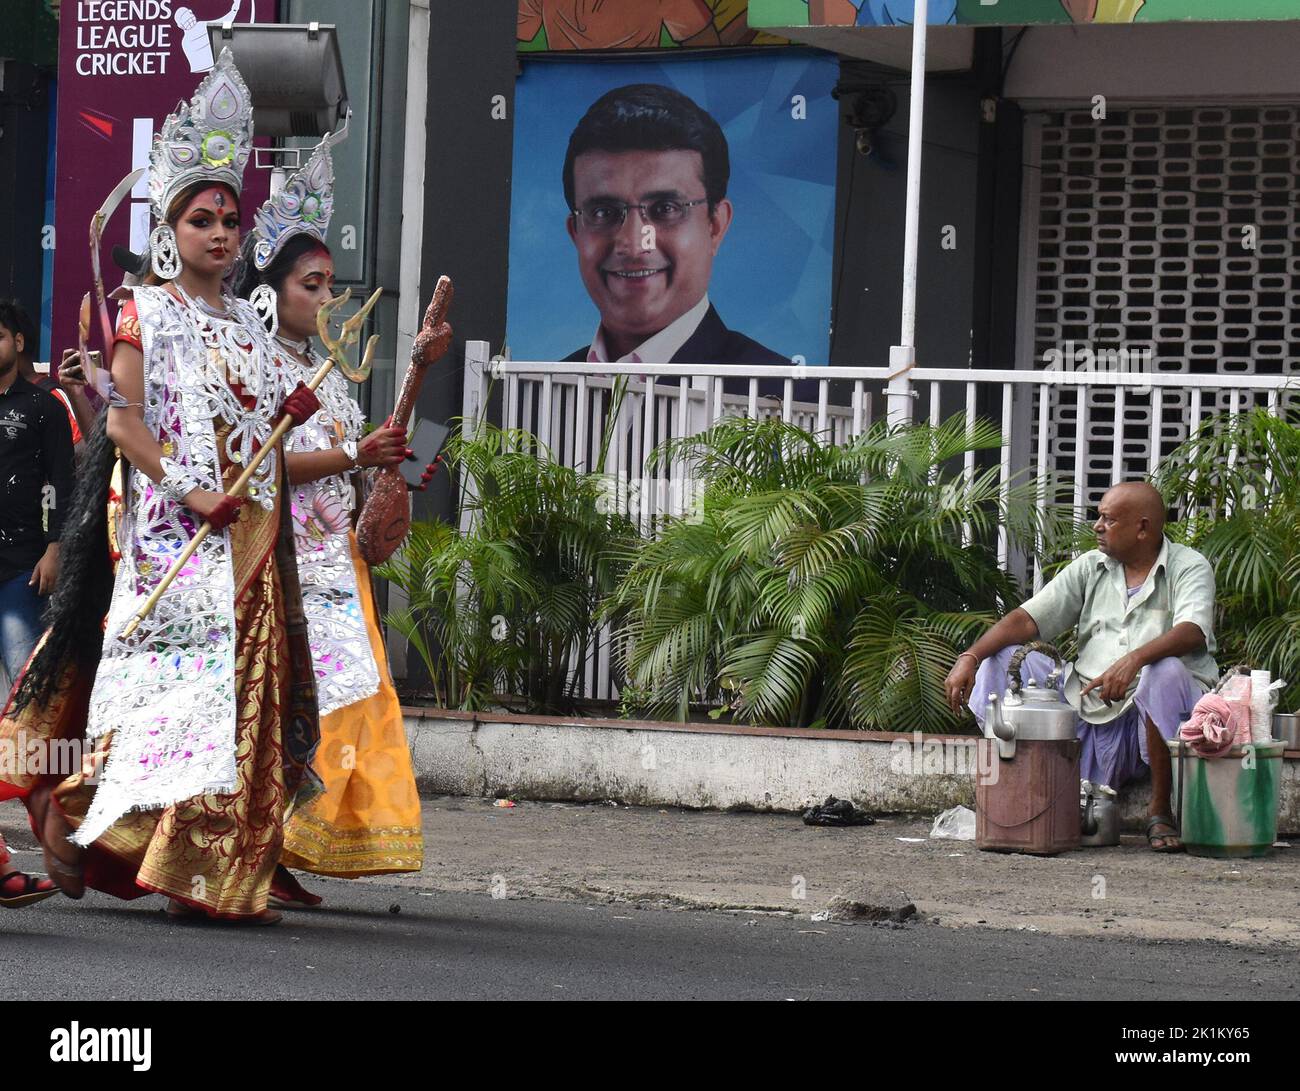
<point>349,334</point>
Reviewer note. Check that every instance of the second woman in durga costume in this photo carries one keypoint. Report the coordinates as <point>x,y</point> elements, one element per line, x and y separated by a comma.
<point>367,819</point>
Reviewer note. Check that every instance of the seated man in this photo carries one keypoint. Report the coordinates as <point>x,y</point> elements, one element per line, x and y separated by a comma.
<point>1144,610</point>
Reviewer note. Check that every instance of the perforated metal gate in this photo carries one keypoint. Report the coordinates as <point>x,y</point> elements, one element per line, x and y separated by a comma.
<point>1158,238</point>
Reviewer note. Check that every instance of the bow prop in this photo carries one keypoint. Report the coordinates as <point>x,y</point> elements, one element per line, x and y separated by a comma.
<point>97,224</point>
<point>349,335</point>
<point>386,517</point>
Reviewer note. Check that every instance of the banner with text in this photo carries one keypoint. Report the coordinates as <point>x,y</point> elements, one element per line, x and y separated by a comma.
<point>123,67</point>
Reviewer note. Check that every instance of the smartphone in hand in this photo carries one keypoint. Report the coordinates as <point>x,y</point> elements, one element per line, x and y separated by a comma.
<point>426,441</point>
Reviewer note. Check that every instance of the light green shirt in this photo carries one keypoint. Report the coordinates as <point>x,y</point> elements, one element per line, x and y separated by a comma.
<point>1091,594</point>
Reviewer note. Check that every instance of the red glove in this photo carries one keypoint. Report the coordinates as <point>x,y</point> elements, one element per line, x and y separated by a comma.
<point>226,511</point>
<point>300,405</point>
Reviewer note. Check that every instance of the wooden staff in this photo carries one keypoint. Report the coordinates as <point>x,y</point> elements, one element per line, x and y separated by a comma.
<point>337,348</point>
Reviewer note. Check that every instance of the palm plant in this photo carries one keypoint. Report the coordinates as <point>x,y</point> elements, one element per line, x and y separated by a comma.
<point>510,605</point>
<point>1235,483</point>
<point>822,585</point>
<point>458,591</point>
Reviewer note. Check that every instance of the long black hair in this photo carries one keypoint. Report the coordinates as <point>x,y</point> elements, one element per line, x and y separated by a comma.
<point>74,616</point>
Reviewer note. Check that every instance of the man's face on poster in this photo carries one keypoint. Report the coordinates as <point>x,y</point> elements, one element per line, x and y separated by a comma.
<point>642,275</point>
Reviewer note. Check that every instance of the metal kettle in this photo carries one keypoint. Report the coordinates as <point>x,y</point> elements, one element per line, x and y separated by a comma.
<point>1030,712</point>
<point>1098,815</point>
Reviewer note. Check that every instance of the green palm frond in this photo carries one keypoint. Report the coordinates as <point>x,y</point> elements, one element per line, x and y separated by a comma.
<point>772,672</point>
<point>1235,482</point>
<point>515,601</point>
<point>894,668</point>
<point>804,547</point>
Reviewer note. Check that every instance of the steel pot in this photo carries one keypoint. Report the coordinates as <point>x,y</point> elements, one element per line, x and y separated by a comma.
<point>1099,815</point>
<point>1286,726</point>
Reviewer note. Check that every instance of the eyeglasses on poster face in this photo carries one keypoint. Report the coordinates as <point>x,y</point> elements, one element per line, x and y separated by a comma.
<point>606,217</point>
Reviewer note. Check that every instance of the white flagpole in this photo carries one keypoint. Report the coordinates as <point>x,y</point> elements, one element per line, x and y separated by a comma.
<point>902,357</point>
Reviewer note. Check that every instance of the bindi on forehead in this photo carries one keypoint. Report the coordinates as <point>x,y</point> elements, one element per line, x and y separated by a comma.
<point>217,198</point>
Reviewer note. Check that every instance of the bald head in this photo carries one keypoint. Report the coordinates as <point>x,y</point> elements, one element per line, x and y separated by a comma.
<point>1142,499</point>
<point>1130,522</point>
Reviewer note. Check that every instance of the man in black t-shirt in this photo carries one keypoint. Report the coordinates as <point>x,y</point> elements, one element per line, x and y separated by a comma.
<point>36,471</point>
<point>68,386</point>
<point>35,488</point>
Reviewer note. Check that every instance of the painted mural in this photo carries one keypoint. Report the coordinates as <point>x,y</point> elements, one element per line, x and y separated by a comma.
<point>779,13</point>
<point>569,25</point>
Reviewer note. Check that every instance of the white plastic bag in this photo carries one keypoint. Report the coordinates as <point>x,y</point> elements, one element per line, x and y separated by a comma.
<point>956,824</point>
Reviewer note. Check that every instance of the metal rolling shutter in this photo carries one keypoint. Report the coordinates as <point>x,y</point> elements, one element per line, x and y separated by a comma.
<point>1134,240</point>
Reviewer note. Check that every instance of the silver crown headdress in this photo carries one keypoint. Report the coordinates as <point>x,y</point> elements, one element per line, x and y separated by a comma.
<point>303,207</point>
<point>208,139</point>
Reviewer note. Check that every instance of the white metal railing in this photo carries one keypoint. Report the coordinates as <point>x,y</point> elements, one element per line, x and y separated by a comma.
<point>566,405</point>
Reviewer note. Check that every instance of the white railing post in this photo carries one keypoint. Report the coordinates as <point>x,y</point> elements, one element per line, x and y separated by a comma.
<point>474,396</point>
<point>898,394</point>
<point>473,411</point>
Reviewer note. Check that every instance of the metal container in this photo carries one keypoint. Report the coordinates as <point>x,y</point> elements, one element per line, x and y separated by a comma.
<point>1099,815</point>
<point>1286,726</point>
<point>1228,806</point>
<point>1030,802</point>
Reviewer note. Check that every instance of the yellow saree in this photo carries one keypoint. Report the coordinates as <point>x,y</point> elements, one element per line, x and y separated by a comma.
<point>367,821</point>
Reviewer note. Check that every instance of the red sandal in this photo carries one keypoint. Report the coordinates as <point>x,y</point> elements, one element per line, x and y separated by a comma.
<point>288,893</point>
<point>18,889</point>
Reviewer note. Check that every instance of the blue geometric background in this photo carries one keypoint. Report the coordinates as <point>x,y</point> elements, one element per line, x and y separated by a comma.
<point>772,276</point>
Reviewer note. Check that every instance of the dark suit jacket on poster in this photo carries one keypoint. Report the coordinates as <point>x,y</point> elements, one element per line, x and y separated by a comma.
<point>713,343</point>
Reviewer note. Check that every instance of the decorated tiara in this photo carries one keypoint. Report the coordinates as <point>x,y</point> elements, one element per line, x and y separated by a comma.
<point>303,207</point>
<point>207,139</point>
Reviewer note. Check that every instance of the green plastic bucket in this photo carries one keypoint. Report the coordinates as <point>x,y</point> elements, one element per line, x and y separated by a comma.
<point>1228,806</point>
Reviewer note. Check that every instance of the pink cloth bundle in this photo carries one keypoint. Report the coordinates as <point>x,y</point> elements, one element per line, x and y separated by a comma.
<point>1212,727</point>
<point>1236,691</point>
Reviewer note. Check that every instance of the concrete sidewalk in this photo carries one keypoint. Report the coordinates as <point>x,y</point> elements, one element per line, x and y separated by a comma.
<point>774,863</point>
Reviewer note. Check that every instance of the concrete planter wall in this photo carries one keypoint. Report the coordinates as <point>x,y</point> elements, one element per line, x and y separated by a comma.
<point>713,766</point>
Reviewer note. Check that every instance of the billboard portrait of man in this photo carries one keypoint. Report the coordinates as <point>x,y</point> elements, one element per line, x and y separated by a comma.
<point>645,179</point>
<point>675,209</point>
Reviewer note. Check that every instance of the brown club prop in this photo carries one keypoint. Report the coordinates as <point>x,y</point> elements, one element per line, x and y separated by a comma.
<point>386,518</point>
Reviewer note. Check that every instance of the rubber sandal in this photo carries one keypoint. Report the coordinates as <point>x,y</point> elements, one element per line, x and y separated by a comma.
<point>288,893</point>
<point>180,913</point>
<point>65,870</point>
<point>1165,838</point>
<point>33,890</point>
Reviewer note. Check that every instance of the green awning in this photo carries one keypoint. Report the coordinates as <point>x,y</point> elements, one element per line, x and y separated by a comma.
<point>29,32</point>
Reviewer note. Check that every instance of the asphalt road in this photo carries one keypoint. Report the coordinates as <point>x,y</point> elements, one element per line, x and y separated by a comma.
<point>470,946</point>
